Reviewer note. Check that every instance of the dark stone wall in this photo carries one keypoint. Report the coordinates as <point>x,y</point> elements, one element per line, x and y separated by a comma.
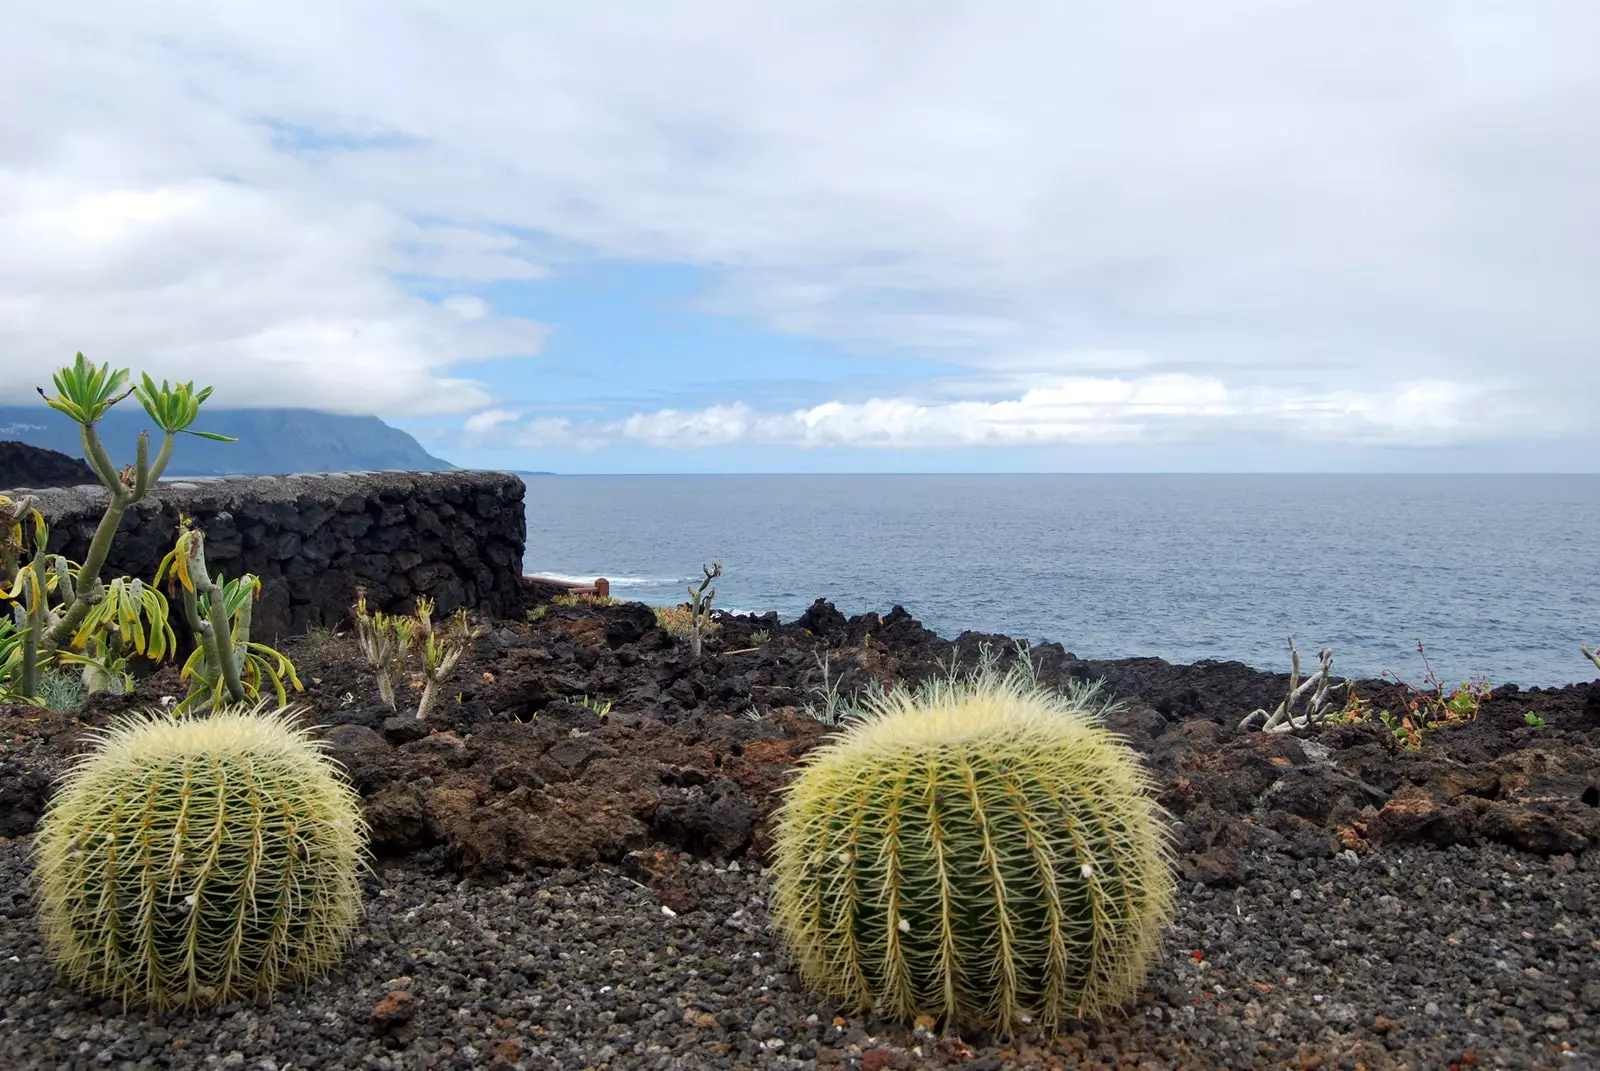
<point>456,536</point>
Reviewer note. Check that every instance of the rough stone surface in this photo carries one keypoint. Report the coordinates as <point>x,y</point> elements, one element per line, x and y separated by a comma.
<point>456,537</point>
<point>1345,902</point>
<point>1407,958</point>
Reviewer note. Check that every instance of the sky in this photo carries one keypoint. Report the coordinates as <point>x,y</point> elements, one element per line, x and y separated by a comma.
<point>1243,235</point>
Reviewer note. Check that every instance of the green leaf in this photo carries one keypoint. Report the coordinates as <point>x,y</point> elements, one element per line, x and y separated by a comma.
<point>173,407</point>
<point>85,391</point>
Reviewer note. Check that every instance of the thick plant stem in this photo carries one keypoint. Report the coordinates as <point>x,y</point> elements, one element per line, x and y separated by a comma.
<point>95,451</point>
<point>219,631</point>
<point>201,629</point>
<point>191,611</point>
<point>213,631</point>
<point>122,496</point>
<point>36,600</point>
<point>89,587</point>
<point>241,629</point>
<point>386,691</point>
<point>30,666</point>
<point>425,704</point>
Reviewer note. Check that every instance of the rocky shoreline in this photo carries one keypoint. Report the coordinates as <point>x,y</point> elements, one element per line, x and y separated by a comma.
<point>586,754</point>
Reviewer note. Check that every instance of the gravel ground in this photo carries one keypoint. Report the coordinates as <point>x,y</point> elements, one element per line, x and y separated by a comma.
<point>1410,958</point>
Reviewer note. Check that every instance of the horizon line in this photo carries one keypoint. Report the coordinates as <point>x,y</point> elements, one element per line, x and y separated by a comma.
<point>1130,472</point>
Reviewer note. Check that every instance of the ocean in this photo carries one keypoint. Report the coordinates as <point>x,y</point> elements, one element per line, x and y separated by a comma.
<point>1494,574</point>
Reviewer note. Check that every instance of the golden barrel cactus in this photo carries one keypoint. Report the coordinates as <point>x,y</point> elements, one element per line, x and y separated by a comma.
<point>196,861</point>
<point>982,851</point>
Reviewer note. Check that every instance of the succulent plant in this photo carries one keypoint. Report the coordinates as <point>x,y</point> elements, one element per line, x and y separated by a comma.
<point>442,649</point>
<point>226,666</point>
<point>60,603</point>
<point>86,392</point>
<point>12,642</point>
<point>980,850</point>
<point>386,640</point>
<point>196,861</point>
<point>699,606</point>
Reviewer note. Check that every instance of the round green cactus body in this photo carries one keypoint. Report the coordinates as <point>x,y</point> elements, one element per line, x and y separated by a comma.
<point>985,853</point>
<point>197,861</point>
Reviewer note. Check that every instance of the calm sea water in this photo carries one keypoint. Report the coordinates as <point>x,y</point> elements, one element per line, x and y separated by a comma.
<point>1495,574</point>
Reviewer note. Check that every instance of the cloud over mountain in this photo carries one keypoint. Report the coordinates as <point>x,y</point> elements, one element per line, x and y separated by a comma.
<point>1286,218</point>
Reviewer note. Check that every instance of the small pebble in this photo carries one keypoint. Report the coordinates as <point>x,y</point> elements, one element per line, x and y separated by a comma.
<point>581,978</point>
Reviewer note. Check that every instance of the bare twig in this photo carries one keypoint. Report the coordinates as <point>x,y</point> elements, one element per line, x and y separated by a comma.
<point>1319,685</point>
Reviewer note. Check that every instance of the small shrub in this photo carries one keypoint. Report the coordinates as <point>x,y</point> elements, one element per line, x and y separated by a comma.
<point>1431,705</point>
<point>1533,720</point>
<point>678,621</point>
<point>199,861</point>
<point>321,635</point>
<point>1315,690</point>
<point>538,613</point>
<point>1426,708</point>
<point>831,707</point>
<point>61,691</point>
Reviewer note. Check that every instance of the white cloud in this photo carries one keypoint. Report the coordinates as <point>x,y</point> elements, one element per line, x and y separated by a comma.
<point>480,426</point>
<point>1068,411</point>
<point>276,299</point>
<point>1343,213</point>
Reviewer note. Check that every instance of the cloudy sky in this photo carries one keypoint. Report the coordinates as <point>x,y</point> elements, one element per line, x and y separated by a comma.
<point>697,236</point>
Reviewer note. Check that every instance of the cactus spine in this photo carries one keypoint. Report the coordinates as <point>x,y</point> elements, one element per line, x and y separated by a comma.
<point>191,861</point>
<point>981,851</point>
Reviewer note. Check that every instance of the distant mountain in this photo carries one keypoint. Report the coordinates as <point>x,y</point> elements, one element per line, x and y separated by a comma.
<point>22,465</point>
<point>270,440</point>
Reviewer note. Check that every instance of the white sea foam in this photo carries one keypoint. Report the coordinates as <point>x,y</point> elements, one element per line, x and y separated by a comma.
<point>615,581</point>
